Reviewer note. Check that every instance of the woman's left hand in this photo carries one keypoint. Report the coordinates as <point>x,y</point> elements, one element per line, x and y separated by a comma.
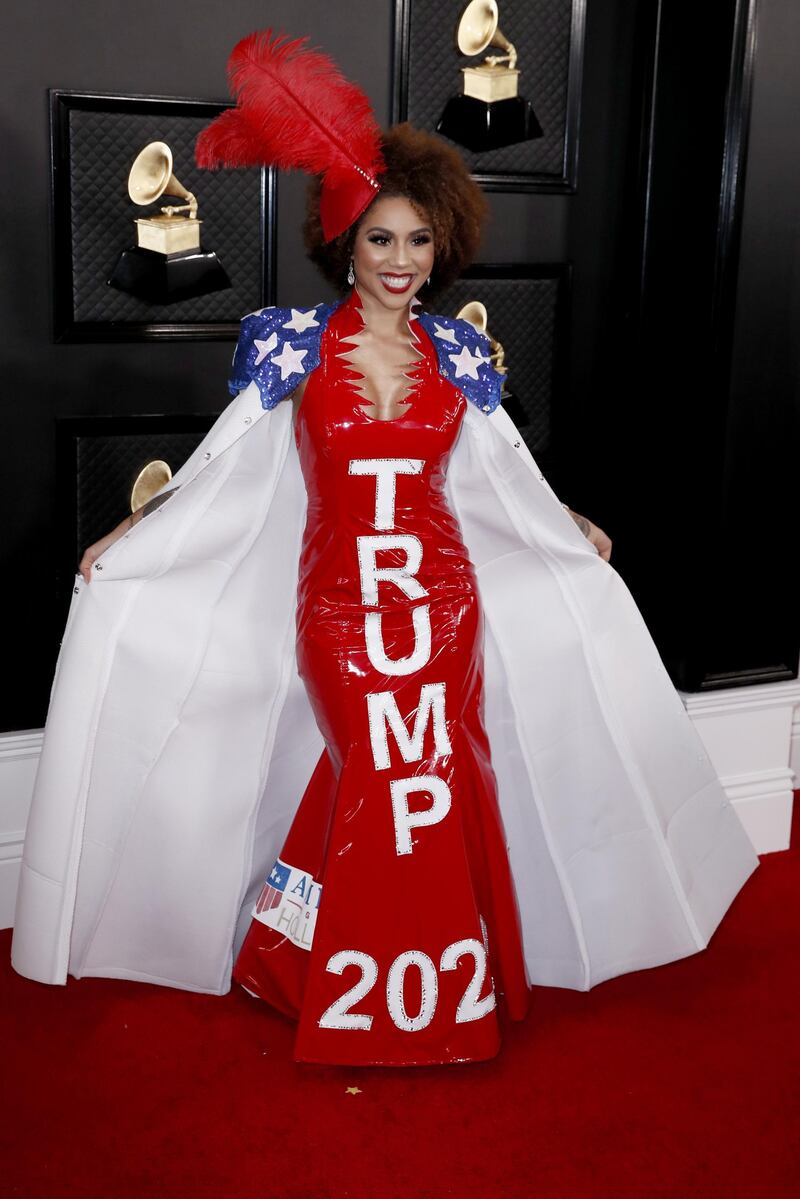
<point>600,540</point>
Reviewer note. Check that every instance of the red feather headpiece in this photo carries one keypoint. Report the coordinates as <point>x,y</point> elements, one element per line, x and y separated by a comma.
<point>295,109</point>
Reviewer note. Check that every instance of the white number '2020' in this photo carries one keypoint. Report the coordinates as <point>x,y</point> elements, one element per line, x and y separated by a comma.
<point>471,1006</point>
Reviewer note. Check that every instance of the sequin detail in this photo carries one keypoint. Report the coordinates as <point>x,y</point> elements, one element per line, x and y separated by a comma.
<point>276,349</point>
<point>278,346</point>
<point>484,390</point>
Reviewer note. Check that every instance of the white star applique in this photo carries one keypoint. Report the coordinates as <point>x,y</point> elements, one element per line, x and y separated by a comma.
<point>465,364</point>
<point>265,347</point>
<point>289,360</point>
<point>301,320</point>
<point>446,334</point>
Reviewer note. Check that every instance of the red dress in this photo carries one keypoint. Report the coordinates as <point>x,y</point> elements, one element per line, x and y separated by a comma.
<point>389,923</point>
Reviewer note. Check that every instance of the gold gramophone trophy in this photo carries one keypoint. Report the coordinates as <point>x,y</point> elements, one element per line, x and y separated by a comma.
<point>475,312</point>
<point>150,479</point>
<point>489,113</point>
<point>167,263</point>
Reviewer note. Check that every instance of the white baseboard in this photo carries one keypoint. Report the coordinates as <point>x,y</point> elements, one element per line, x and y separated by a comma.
<point>19,757</point>
<point>751,734</point>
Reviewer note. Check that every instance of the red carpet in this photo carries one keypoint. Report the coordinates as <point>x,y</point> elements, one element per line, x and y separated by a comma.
<point>675,1081</point>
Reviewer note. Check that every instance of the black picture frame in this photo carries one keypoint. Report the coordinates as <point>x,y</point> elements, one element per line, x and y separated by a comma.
<point>94,138</point>
<point>426,73</point>
<point>97,461</point>
<point>528,305</point>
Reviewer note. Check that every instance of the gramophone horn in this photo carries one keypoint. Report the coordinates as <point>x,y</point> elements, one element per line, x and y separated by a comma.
<point>151,478</point>
<point>477,29</point>
<point>475,313</point>
<point>151,175</point>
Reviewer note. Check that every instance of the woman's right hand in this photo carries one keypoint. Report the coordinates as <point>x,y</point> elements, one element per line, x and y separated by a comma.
<point>94,551</point>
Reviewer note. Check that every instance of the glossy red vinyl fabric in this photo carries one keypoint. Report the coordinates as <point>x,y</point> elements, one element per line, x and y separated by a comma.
<point>373,928</point>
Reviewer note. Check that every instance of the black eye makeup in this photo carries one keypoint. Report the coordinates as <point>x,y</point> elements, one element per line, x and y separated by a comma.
<point>381,239</point>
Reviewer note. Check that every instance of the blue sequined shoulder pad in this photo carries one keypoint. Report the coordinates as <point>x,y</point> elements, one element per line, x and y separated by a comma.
<point>276,347</point>
<point>465,359</point>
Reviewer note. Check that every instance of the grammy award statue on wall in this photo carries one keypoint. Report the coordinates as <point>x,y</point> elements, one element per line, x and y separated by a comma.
<point>488,113</point>
<point>167,262</point>
<point>475,312</point>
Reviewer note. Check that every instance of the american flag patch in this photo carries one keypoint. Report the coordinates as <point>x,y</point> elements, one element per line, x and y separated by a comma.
<point>289,902</point>
<point>272,891</point>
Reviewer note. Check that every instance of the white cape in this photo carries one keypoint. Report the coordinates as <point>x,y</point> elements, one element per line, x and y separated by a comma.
<point>179,738</point>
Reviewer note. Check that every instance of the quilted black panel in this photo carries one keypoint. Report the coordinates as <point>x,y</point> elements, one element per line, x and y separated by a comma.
<point>540,32</point>
<point>105,467</point>
<point>103,147</point>
<point>523,317</point>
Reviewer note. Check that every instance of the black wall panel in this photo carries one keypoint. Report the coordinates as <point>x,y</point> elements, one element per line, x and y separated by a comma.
<point>710,352</point>
<point>673,423</point>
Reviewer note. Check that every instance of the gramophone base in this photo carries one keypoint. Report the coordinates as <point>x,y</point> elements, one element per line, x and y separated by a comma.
<point>488,125</point>
<point>167,278</point>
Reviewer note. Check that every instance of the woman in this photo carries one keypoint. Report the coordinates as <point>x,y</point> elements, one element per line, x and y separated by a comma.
<point>180,735</point>
<point>384,650</point>
<point>376,416</point>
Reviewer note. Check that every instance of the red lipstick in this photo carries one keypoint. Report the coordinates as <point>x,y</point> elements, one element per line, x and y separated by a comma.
<point>396,291</point>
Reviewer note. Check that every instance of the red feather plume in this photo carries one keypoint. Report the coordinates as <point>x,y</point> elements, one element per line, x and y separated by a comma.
<point>295,110</point>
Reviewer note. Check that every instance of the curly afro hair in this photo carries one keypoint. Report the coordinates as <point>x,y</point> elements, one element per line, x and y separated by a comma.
<point>434,178</point>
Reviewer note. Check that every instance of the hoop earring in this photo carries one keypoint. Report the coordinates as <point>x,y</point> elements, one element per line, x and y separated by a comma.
<point>351,275</point>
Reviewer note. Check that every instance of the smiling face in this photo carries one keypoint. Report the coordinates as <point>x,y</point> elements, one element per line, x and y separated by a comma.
<point>393,252</point>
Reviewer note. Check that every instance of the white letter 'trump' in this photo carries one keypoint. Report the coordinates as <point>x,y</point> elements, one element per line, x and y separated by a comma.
<point>401,576</point>
<point>404,820</point>
<point>382,710</point>
<point>419,656</point>
<point>385,471</point>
